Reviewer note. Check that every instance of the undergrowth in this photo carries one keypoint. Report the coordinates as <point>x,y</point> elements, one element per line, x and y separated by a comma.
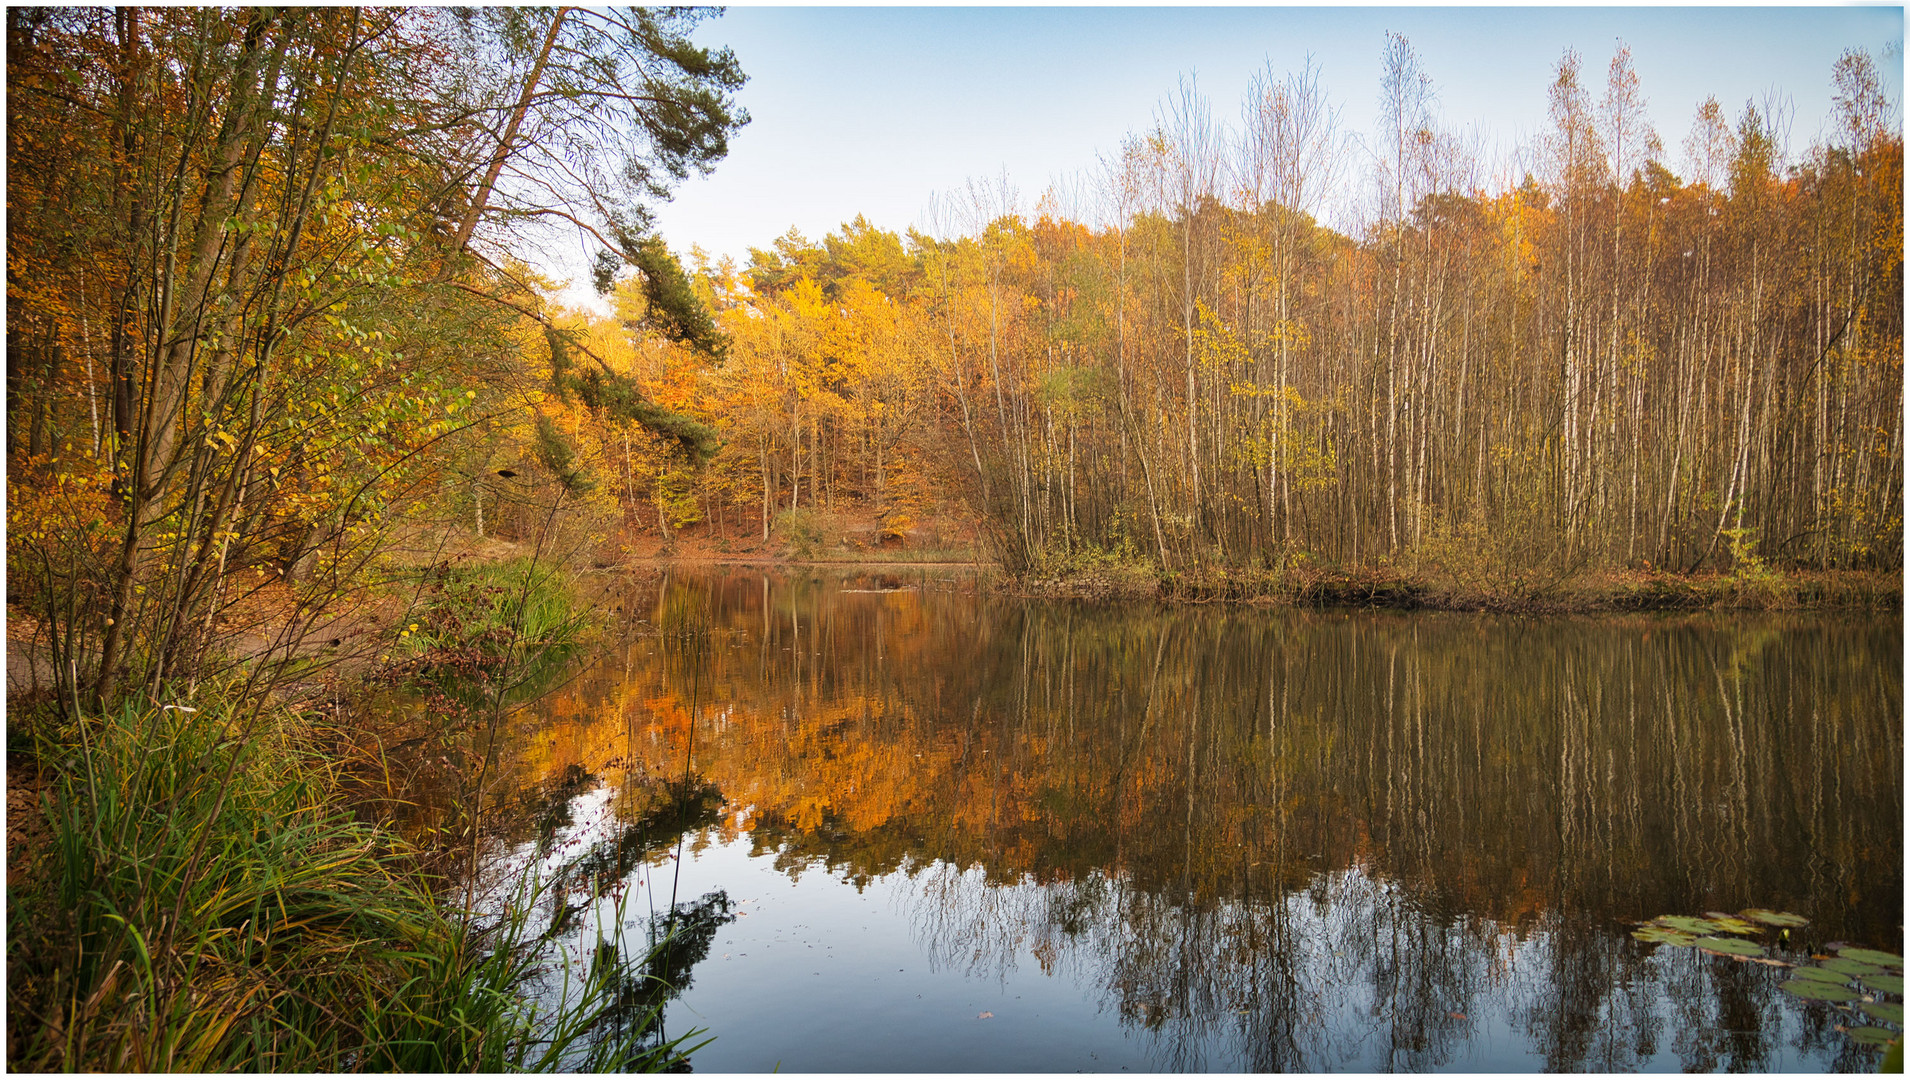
<point>207,907</point>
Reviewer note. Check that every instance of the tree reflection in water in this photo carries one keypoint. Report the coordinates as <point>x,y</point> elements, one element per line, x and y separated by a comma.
<point>679,939</point>
<point>1302,840</point>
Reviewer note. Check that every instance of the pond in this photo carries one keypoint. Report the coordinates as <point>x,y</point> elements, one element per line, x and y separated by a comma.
<point>934,829</point>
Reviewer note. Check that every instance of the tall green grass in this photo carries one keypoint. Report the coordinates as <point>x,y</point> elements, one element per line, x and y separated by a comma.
<point>210,909</point>
<point>489,635</point>
<point>518,605</point>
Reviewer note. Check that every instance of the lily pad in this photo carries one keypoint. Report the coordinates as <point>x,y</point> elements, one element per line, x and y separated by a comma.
<point>1731,924</point>
<point>1884,1010</point>
<point>1820,974</point>
<point>1774,918</point>
<point>1849,966</point>
<point>1819,991</point>
<point>1663,935</point>
<point>1690,924</point>
<point>1873,956</point>
<point>1889,984</point>
<point>1730,946</point>
<point>1871,1036</point>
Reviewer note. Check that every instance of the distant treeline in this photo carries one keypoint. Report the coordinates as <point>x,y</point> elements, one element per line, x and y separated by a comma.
<point>1607,364</point>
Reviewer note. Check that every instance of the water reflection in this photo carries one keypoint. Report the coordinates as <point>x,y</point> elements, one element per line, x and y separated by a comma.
<point>677,940</point>
<point>1287,841</point>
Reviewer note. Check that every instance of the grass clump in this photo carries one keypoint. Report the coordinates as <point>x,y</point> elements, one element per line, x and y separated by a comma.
<point>206,907</point>
<point>478,621</point>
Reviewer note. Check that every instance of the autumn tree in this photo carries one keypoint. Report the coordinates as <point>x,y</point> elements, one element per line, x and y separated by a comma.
<point>272,332</point>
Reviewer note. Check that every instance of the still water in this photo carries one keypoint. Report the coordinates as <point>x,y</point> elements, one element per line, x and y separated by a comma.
<point>931,829</point>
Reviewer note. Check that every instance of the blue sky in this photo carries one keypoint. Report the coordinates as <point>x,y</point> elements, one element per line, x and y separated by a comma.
<point>871,109</point>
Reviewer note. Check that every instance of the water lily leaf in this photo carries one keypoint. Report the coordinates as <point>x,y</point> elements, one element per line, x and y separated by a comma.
<point>1884,1010</point>
<point>1731,924</point>
<point>1889,984</point>
<point>1663,935</point>
<point>1819,991</point>
<point>1690,924</point>
<point>1820,974</point>
<point>1871,1036</point>
<point>1730,946</point>
<point>1872,956</point>
<point>1848,966</point>
<point>1774,918</point>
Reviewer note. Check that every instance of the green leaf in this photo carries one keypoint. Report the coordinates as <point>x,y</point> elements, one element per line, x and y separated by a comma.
<point>1819,991</point>
<point>1661,935</point>
<point>1871,1036</point>
<point>1774,918</point>
<point>1848,966</point>
<point>1732,925</point>
<point>1884,1010</point>
<point>1889,984</point>
<point>1730,946</point>
<point>1892,1057</point>
<point>1872,956</point>
<point>1690,924</point>
<point>1821,975</point>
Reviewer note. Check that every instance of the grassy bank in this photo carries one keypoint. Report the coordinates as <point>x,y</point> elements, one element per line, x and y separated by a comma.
<point>206,905</point>
<point>203,898</point>
<point>1386,587</point>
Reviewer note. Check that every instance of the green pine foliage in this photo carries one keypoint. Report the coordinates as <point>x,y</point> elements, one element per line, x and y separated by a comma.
<point>675,311</point>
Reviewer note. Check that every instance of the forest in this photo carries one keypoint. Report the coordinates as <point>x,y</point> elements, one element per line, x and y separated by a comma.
<point>254,337</point>
<point>283,329</point>
<point>1606,365</point>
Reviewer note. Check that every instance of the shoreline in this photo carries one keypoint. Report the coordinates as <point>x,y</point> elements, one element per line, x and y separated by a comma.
<point>1610,592</point>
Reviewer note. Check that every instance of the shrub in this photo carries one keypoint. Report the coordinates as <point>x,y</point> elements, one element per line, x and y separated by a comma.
<point>801,529</point>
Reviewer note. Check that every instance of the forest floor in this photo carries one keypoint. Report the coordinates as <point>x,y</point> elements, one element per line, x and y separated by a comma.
<point>851,537</point>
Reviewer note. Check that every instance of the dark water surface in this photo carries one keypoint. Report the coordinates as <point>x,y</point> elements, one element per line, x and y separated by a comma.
<point>957,832</point>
